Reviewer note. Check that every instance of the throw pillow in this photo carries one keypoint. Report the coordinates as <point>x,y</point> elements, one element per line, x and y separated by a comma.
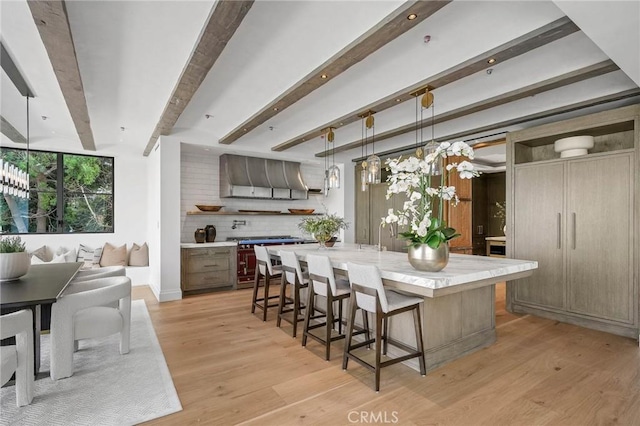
<point>35,260</point>
<point>139,255</point>
<point>42,253</point>
<point>114,256</point>
<point>69,255</point>
<point>89,255</point>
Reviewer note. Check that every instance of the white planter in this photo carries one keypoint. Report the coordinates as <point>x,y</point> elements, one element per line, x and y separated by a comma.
<point>573,146</point>
<point>14,265</point>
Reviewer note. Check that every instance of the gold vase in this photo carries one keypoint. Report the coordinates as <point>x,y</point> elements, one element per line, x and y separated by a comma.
<point>424,258</point>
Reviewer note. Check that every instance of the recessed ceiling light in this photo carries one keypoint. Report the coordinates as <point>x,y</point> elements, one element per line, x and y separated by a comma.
<point>491,60</point>
<point>412,17</point>
<point>323,76</point>
<point>398,100</point>
<point>275,108</point>
<point>44,117</point>
<point>244,130</point>
<point>341,123</point>
<point>302,139</point>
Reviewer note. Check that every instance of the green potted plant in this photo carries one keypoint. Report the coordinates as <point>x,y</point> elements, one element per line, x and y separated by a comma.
<point>323,228</point>
<point>14,259</point>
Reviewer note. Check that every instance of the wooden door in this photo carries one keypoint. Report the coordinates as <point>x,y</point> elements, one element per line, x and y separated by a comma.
<point>600,237</point>
<point>539,233</point>
<point>460,217</point>
<point>362,211</point>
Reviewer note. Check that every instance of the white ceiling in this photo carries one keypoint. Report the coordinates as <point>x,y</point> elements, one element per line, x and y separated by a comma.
<point>131,55</point>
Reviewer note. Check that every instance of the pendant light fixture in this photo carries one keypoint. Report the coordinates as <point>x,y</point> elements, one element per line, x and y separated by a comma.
<point>15,182</point>
<point>363,154</point>
<point>333,171</point>
<point>426,101</point>
<point>374,166</point>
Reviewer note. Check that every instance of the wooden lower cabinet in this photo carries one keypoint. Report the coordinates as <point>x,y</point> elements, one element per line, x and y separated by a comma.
<point>208,268</point>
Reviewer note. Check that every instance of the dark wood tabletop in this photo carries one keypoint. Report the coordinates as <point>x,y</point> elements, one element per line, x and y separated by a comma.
<point>42,284</point>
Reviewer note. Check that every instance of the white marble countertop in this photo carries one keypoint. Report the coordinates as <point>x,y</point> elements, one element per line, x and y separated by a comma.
<point>504,238</point>
<point>464,272</point>
<point>204,245</point>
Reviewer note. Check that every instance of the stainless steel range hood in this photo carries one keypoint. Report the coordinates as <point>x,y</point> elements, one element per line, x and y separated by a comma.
<point>251,177</point>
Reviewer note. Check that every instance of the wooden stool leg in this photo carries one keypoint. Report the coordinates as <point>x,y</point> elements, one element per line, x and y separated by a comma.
<point>340,316</point>
<point>350,322</point>
<point>296,307</point>
<point>307,314</point>
<point>329,326</point>
<point>419,342</point>
<point>365,324</point>
<point>256,284</point>
<point>283,283</point>
<point>378,348</point>
<point>267,282</point>
<point>385,335</point>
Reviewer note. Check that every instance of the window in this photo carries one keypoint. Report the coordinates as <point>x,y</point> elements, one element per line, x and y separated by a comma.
<point>69,193</point>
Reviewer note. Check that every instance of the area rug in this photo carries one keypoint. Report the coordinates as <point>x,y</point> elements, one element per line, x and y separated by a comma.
<point>106,388</point>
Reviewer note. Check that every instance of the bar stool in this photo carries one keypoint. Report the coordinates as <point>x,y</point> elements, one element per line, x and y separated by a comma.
<point>368,294</point>
<point>292,275</point>
<point>324,283</point>
<point>265,269</point>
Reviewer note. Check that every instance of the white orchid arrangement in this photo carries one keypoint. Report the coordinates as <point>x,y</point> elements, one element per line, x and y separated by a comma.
<point>417,178</point>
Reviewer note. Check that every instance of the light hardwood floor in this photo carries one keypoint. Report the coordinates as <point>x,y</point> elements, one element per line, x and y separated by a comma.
<point>229,367</point>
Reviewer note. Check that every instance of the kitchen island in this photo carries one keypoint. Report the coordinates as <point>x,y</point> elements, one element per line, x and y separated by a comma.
<point>458,313</point>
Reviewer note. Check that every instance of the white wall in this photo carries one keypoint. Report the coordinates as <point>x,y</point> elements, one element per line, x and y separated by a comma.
<point>200,185</point>
<point>166,266</point>
<point>130,205</point>
<point>154,215</point>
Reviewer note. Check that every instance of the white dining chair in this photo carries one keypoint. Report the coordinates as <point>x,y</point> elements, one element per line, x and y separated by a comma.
<point>18,358</point>
<point>86,315</point>
<point>92,274</point>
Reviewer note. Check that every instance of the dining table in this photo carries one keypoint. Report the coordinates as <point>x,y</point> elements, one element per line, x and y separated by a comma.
<point>43,284</point>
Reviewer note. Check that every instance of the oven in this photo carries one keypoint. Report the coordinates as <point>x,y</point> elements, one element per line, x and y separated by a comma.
<point>247,257</point>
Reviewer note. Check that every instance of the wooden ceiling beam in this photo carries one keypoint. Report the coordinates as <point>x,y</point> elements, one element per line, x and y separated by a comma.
<point>11,132</point>
<point>222,24</point>
<point>532,40</point>
<point>581,74</point>
<point>626,94</point>
<point>52,22</point>
<point>387,30</point>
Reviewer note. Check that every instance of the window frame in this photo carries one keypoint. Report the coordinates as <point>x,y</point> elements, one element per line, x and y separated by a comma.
<point>60,193</point>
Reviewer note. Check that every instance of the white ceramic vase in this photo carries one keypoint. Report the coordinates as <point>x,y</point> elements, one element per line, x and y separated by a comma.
<point>14,265</point>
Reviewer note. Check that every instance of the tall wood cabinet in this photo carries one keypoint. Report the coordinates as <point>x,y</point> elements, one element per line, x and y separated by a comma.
<point>578,217</point>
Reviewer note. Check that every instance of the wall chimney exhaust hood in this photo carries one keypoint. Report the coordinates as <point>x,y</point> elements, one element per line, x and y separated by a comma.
<point>251,177</point>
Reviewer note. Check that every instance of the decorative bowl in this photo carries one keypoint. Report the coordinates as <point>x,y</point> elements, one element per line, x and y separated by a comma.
<point>208,208</point>
<point>573,146</point>
<point>301,211</point>
<point>14,265</point>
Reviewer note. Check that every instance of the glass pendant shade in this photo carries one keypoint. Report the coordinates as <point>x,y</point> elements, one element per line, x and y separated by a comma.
<point>334,177</point>
<point>363,180</point>
<point>436,167</point>
<point>374,169</point>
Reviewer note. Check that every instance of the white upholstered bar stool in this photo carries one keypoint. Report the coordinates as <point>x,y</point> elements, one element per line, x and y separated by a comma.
<point>368,294</point>
<point>294,278</point>
<point>323,283</point>
<point>84,315</point>
<point>18,358</point>
<point>264,268</point>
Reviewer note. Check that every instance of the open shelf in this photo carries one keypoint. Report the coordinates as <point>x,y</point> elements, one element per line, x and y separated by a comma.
<point>196,213</point>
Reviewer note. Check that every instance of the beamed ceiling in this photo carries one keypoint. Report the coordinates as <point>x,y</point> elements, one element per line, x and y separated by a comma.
<point>269,77</point>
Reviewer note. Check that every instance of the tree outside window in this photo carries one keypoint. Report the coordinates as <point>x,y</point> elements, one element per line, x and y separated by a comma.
<point>69,193</point>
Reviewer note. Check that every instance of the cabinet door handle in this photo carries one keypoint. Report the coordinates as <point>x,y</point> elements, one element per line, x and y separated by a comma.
<point>211,266</point>
<point>559,230</point>
<point>574,229</point>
